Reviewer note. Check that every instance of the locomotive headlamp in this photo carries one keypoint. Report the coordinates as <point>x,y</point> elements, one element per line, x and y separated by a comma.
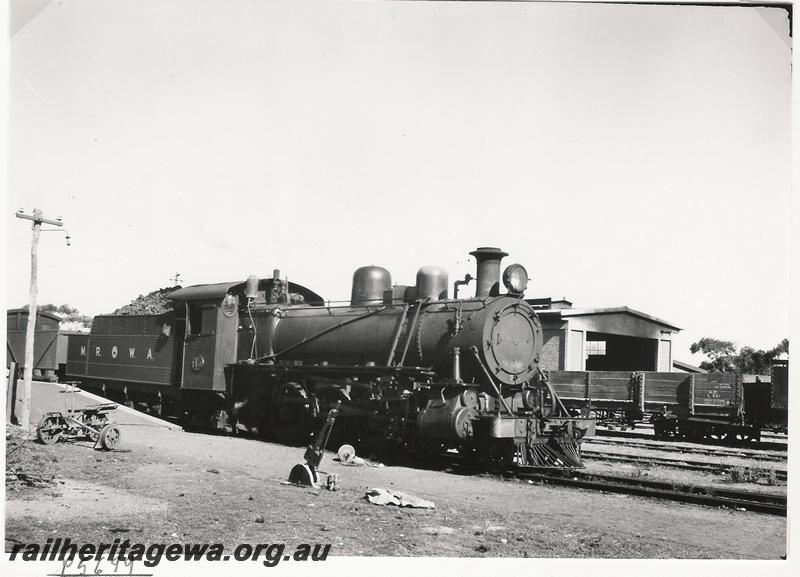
<point>515,278</point>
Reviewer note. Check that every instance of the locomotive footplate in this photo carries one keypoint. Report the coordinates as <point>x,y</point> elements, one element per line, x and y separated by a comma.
<point>517,427</point>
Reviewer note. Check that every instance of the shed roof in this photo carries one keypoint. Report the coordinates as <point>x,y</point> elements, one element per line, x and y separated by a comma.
<point>563,313</point>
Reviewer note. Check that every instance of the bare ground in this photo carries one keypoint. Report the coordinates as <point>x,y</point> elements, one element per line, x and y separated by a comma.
<point>172,486</point>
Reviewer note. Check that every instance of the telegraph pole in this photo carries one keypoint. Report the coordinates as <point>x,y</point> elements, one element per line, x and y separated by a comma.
<point>24,395</point>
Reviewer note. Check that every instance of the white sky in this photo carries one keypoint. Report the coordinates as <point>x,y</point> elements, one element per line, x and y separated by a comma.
<point>626,155</point>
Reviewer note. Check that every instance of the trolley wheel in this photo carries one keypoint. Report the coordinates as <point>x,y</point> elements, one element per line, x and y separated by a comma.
<point>346,453</point>
<point>49,430</point>
<point>110,436</point>
<point>97,421</point>
<point>304,475</point>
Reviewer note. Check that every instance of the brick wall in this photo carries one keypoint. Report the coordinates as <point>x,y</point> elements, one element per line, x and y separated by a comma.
<point>552,358</point>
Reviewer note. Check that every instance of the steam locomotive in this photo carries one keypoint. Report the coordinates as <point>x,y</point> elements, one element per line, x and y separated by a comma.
<point>409,367</point>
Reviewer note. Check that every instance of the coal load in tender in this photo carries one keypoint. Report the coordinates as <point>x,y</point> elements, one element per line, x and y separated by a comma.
<point>152,303</point>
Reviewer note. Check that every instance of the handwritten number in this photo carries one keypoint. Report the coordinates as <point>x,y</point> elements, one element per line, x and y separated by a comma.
<point>67,563</point>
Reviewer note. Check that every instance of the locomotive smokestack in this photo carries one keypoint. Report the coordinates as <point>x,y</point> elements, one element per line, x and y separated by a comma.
<point>488,276</point>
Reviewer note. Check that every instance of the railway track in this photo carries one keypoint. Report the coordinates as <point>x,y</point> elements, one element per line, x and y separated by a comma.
<point>769,503</point>
<point>759,445</point>
<point>677,463</point>
<point>771,435</point>
<point>739,500</point>
<point>715,452</point>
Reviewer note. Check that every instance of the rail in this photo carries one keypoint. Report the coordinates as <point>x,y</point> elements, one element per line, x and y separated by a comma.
<point>740,500</point>
<point>762,445</point>
<point>671,448</point>
<point>683,464</point>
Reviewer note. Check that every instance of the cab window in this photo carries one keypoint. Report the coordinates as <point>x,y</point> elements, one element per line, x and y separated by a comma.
<point>195,319</point>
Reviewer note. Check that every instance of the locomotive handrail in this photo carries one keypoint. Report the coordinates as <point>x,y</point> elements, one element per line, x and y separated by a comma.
<point>396,338</point>
<point>474,350</point>
<point>288,310</point>
<point>553,394</point>
<point>323,332</point>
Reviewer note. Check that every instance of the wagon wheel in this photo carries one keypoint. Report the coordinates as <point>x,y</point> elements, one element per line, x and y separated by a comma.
<point>110,436</point>
<point>49,430</point>
<point>746,436</point>
<point>694,436</point>
<point>499,453</point>
<point>717,435</point>
<point>290,413</point>
<point>427,450</point>
<point>375,442</point>
<point>471,453</point>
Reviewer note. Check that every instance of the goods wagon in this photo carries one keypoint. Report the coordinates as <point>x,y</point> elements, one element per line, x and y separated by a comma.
<point>766,400</point>
<point>679,405</point>
<point>49,344</point>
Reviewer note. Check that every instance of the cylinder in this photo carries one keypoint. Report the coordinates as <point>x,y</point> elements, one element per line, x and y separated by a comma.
<point>369,282</point>
<point>432,283</point>
<point>446,420</point>
<point>488,274</point>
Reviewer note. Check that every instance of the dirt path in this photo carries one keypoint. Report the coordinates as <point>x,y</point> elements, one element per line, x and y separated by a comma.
<point>189,487</point>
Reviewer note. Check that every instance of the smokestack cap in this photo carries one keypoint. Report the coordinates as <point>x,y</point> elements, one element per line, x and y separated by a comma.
<point>484,252</point>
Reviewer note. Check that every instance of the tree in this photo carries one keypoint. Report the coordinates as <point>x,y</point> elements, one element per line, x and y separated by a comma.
<point>70,316</point>
<point>720,354</point>
<point>753,362</point>
<point>723,357</point>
